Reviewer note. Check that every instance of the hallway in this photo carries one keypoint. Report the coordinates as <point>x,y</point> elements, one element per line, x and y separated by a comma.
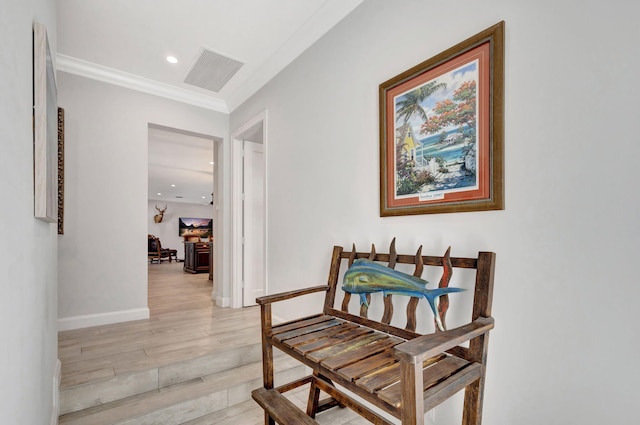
<point>190,363</point>
<point>184,322</point>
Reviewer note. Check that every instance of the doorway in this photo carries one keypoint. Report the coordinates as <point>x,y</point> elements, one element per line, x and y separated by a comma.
<point>181,168</point>
<point>249,265</point>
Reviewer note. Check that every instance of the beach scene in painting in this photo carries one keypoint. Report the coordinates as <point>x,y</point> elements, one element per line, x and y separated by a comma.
<point>436,137</point>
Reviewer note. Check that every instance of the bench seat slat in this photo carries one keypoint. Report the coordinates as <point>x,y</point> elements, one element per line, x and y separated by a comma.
<point>445,389</point>
<point>367,366</point>
<point>307,329</point>
<point>330,340</point>
<point>316,335</point>
<point>298,324</point>
<point>345,346</point>
<point>432,375</point>
<point>384,344</point>
<point>380,378</point>
<point>386,376</point>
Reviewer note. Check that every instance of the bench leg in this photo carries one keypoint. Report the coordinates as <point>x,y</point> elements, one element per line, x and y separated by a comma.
<point>314,397</point>
<point>314,405</point>
<point>267,365</point>
<point>412,401</point>
<point>267,355</point>
<point>268,420</point>
<point>473,394</point>
<point>267,348</point>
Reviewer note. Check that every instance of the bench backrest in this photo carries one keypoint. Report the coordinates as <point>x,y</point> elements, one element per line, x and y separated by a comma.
<point>483,289</point>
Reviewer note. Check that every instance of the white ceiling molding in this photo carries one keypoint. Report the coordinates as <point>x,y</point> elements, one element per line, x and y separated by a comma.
<point>312,26</point>
<point>319,24</point>
<point>112,76</point>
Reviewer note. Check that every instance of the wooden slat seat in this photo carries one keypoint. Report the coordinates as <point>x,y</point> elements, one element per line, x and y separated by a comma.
<point>395,369</point>
<point>367,366</point>
<point>380,378</point>
<point>432,375</point>
<point>330,340</point>
<point>320,335</point>
<point>312,326</point>
<point>356,354</point>
<point>347,346</point>
<point>285,327</point>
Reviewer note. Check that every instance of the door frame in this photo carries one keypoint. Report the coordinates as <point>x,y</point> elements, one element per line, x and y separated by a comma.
<point>237,146</point>
<point>253,221</point>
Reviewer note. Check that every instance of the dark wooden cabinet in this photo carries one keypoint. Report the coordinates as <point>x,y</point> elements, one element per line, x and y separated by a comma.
<point>196,257</point>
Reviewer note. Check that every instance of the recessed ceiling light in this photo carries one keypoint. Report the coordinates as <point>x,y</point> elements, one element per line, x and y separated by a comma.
<point>211,162</point>
<point>159,193</point>
<point>204,197</point>
<point>172,59</point>
<point>173,185</point>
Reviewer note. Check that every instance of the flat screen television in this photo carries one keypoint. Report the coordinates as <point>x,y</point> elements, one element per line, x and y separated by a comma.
<point>202,227</point>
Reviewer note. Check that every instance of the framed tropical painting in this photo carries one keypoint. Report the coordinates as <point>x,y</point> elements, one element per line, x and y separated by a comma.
<point>441,131</point>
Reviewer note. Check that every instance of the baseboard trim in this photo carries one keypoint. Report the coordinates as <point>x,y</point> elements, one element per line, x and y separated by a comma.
<point>88,320</point>
<point>223,302</point>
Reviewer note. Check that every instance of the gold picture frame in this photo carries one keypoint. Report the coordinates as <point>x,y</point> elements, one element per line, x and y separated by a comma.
<point>441,131</point>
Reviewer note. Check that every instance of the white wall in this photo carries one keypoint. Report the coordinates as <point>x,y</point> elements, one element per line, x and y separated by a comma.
<point>167,231</point>
<point>566,337</point>
<point>28,281</point>
<point>103,260</point>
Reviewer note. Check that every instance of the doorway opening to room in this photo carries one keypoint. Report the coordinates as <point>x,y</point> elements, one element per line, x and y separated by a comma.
<point>249,217</point>
<point>182,205</point>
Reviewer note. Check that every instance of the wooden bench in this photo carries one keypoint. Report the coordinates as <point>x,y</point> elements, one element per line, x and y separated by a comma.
<point>394,368</point>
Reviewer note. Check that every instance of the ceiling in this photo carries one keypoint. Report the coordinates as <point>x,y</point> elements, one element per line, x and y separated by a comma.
<point>126,42</point>
<point>180,167</point>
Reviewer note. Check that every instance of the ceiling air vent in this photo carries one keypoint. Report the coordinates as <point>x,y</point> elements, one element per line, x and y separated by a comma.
<point>212,71</point>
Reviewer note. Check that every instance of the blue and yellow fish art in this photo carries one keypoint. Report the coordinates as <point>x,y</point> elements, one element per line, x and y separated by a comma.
<point>366,277</point>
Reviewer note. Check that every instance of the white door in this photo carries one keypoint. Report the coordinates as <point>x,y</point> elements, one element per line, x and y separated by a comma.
<point>253,223</point>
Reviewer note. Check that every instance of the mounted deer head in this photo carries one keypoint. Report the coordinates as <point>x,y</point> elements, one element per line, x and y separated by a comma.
<point>158,217</point>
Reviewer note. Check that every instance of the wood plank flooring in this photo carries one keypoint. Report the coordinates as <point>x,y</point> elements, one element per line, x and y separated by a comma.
<point>184,324</point>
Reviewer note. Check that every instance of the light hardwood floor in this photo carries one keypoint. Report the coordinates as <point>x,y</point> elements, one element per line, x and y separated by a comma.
<point>184,323</point>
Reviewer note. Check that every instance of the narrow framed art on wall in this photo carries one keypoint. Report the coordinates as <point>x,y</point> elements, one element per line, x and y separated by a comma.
<point>45,129</point>
<point>441,131</point>
<point>60,171</point>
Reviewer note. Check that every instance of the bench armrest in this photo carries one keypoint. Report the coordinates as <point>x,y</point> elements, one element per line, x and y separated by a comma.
<point>268,299</point>
<point>418,349</point>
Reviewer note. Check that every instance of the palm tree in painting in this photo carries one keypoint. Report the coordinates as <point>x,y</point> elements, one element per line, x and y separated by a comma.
<point>409,180</point>
<point>410,104</point>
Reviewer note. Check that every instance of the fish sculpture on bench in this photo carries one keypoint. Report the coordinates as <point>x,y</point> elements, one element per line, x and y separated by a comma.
<point>366,276</point>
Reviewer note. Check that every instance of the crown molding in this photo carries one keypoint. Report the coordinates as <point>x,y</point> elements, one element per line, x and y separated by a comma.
<point>331,12</point>
<point>94,71</point>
